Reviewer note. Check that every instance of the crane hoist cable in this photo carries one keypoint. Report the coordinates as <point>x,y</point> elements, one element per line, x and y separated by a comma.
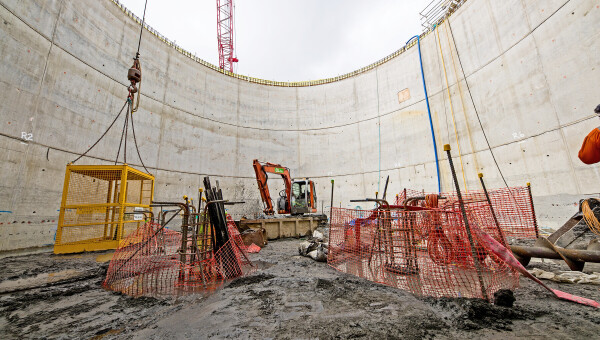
<point>134,75</point>
<point>123,133</point>
<point>142,28</point>
<point>137,149</point>
<point>124,138</point>
<point>104,134</point>
<point>135,72</point>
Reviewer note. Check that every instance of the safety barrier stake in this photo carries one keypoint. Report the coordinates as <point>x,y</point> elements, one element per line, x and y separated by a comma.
<point>466,221</point>
<point>487,197</point>
<point>535,224</point>
<point>331,205</point>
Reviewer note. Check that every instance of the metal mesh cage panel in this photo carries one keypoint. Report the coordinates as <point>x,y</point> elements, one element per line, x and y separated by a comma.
<point>99,204</point>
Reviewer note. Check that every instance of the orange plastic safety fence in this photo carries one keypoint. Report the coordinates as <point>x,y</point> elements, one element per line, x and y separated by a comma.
<point>148,263</point>
<point>513,208</point>
<point>425,251</point>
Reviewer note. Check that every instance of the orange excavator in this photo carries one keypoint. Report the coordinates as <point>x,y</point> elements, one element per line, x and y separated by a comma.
<point>298,197</point>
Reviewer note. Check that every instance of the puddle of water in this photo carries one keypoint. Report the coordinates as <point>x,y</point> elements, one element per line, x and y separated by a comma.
<point>104,258</point>
<point>260,264</point>
<point>109,332</point>
<point>38,280</point>
<point>26,251</point>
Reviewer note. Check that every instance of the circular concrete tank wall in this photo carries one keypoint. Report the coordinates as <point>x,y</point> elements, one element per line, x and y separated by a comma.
<point>531,68</point>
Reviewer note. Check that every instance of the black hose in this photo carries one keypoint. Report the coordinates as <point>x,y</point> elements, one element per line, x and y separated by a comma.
<point>475,107</point>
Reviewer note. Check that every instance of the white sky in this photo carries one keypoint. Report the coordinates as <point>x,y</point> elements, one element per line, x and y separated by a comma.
<point>290,40</point>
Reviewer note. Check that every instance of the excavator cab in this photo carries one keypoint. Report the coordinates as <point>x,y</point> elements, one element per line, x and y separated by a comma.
<point>303,197</point>
<point>299,196</point>
<point>282,202</point>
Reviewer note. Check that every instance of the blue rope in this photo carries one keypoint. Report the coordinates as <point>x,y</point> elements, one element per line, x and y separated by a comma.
<point>437,163</point>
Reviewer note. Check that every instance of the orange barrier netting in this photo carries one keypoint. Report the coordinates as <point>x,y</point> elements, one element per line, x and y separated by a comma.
<point>425,251</point>
<point>148,263</point>
<point>513,208</point>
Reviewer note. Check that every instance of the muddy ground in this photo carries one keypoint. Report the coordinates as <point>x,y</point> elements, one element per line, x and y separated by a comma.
<point>288,297</point>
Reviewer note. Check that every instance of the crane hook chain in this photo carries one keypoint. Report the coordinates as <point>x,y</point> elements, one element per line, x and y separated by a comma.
<point>134,75</point>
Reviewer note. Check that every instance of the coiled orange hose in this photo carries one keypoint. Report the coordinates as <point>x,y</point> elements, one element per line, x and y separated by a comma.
<point>589,217</point>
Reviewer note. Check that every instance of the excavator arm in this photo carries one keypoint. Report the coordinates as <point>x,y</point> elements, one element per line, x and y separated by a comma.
<point>261,170</point>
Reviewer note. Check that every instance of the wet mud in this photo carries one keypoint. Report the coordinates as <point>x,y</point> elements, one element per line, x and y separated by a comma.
<point>288,297</point>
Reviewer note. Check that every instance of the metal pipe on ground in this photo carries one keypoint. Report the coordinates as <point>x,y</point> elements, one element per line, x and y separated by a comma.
<point>576,255</point>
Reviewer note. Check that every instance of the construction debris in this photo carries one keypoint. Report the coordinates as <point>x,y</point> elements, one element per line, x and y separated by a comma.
<point>575,242</point>
<point>504,298</point>
<point>567,276</point>
<point>315,247</point>
<point>253,248</point>
<point>256,236</point>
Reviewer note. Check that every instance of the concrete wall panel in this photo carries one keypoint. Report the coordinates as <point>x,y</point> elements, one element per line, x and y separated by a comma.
<point>531,68</point>
<point>41,16</point>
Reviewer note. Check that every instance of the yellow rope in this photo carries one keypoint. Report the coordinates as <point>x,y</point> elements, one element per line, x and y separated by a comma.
<point>589,216</point>
<point>451,109</point>
<point>462,101</point>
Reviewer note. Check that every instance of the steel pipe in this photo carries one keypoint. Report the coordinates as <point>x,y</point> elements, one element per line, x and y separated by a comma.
<point>547,253</point>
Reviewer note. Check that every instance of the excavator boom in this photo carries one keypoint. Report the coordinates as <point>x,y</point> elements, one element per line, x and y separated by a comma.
<point>261,170</point>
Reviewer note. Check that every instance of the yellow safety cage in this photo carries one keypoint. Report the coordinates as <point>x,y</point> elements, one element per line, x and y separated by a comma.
<point>101,205</point>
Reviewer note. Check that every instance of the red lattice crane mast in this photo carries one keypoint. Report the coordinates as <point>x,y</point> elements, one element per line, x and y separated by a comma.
<point>225,34</point>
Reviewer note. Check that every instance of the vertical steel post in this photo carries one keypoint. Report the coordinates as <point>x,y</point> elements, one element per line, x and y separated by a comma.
<point>487,197</point>
<point>535,223</point>
<point>119,231</point>
<point>198,226</point>
<point>184,232</point>
<point>63,202</point>
<point>385,188</point>
<point>200,200</point>
<point>331,205</point>
<point>107,224</point>
<point>466,221</point>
